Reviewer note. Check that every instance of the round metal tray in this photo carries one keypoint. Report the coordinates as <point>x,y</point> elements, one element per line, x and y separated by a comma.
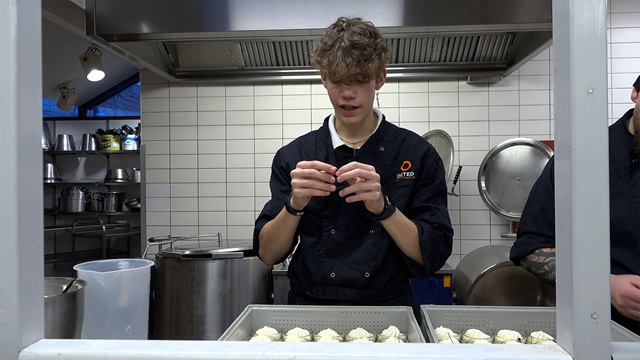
<point>508,172</point>
<point>443,144</point>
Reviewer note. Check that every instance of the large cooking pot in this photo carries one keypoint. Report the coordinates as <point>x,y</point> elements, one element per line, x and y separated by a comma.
<point>486,276</point>
<point>73,199</point>
<point>199,293</point>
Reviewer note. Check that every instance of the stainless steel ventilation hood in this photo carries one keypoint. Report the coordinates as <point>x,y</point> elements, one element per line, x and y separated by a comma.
<point>268,40</point>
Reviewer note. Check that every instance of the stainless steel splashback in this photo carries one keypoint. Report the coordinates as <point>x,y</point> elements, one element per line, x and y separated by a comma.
<point>256,40</point>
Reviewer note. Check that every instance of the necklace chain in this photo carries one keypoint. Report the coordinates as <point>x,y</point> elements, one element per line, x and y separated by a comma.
<point>356,142</point>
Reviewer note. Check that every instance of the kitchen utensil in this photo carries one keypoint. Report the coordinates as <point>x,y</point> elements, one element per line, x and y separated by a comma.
<point>117,175</point>
<point>97,201</point>
<point>112,201</point>
<point>47,144</point>
<point>455,181</point>
<point>73,199</point>
<point>136,175</point>
<point>486,276</point>
<point>134,205</point>
<point>188,279</point>
<point>443,144</point>
<point>130,142</point>
<point>64,142</point>
<point>63,307</point>
<point>117,298</point>
<point>68,286</point>
<point>507,173</point>
<point>51,174</point>
<point>90,142</point>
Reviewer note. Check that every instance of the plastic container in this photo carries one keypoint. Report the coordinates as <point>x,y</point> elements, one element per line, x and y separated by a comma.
<point>491,319</point>
<point>116,298</point>
<point>316,318</point>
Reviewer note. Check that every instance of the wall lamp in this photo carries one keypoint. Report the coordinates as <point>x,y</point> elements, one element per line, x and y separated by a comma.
<point>91,63</point>
<point>67,97</point>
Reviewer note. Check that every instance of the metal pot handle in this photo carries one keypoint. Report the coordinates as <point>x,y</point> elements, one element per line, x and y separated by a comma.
<point>169,240</point>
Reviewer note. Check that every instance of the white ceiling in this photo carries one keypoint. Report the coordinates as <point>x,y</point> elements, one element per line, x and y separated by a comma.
<point>62,44</point>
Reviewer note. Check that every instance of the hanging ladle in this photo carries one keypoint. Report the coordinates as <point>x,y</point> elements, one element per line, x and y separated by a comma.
<point>455,181</point>
<point>68,286</point>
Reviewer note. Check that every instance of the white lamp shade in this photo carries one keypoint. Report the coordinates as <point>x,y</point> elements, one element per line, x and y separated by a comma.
<point>92,65</point>
<point>67,100</point>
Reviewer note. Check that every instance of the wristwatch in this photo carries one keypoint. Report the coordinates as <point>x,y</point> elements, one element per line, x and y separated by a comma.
<point>388,210</point>
<point>290,210</point>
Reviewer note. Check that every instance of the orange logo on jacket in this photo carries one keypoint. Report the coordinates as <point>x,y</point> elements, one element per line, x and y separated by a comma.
<point>405,174</point>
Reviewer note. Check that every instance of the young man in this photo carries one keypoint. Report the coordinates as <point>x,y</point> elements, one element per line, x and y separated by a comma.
<point>364,201</point>
<point>534,248</point>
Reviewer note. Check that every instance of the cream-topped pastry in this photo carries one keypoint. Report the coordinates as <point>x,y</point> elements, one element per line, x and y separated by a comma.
<point>361,340</point>
<point>540,337</point>
<point>450,340</point>
<point>327,335</point>
<point>297,335</point>
<point>508,336</point>
<point>392,334</point>
<point>392,339</point>
<point>360,333</point>
<point>298,332</point>
<point>475,336</point>
<point>269,332</point>
<point>443,333</point>
<point>261,338</point>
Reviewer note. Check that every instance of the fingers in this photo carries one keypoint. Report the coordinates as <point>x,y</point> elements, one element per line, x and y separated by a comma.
<point>312,178</point>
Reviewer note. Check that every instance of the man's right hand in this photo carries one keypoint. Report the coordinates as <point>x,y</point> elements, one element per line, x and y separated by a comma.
<point>309,179</point>
<point>625,295</point>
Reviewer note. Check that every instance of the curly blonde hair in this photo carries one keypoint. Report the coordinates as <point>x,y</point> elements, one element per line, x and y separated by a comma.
<point>351,49</point>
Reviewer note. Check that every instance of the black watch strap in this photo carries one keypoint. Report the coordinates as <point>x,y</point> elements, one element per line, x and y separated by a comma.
<point>290,210</point>
<point>386,213</point>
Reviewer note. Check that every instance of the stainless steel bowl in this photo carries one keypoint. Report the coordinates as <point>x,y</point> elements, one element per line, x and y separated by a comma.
<point>117,175</point>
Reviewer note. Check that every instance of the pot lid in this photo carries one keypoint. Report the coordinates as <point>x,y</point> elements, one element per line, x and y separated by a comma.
<point>215,254</point>
<point>443,144</point>
<point>508,172</point>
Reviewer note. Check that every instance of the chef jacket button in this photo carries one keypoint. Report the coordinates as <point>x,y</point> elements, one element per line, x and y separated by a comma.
<point>333,231</point>
<point>333,274</point>
<point>366,274</point>
<point>381,148</point>
<point>371,231</point>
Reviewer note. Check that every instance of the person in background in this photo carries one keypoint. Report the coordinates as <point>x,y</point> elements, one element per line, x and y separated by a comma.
<point>361,201</point>
<point>534,248</point>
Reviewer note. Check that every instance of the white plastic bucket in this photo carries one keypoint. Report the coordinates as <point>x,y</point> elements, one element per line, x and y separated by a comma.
<point>116,298</point>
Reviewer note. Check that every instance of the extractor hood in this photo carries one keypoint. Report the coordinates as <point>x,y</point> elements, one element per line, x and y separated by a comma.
<point>267,40</point>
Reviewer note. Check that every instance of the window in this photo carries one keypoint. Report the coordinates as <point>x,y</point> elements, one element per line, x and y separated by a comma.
<point>123,100</point>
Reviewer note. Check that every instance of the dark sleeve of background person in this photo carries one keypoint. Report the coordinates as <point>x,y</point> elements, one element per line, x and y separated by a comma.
<point>536,229</point>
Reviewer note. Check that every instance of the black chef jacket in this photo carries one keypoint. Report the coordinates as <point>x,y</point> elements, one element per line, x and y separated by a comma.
<point>537,223</point>
<point>342,254</point>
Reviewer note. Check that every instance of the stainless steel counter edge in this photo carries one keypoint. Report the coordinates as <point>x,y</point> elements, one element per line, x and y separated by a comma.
<point>192,350</point>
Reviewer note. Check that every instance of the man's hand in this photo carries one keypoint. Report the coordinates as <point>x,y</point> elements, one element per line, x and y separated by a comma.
<point>625,295</point>
<point>309,179</point>
<point>364,185</point>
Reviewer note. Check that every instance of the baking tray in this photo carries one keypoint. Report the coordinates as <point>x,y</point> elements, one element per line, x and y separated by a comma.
<point>316,318</point>
<point>490,319</point>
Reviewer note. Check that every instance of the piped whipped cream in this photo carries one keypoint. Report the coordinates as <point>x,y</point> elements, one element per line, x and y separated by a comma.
<point>508,336</point>
<point>475,336</point>
<point>359,333</point>
<point>269,332</point>
<point>327,335</point>
<point>443,333</point>
<point>261,338</point>
<point>540,337</point>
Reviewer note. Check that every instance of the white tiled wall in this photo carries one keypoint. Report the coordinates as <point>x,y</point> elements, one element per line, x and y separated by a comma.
<point>209,147</point>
